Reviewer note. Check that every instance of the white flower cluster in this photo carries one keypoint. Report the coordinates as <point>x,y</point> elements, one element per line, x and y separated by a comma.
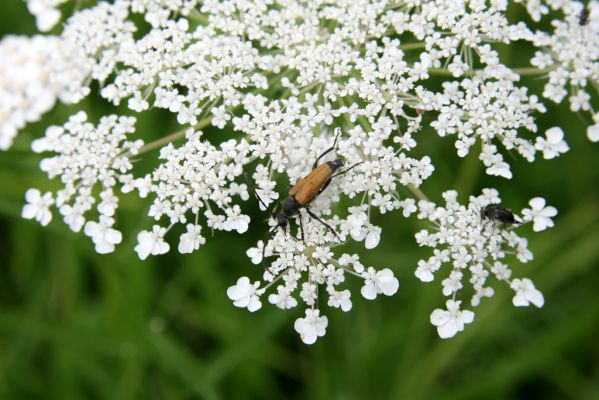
<point>476,247</point>
<point>292,78</point>
<point>570,55</point>
<point>158,12</point>
<point>308,267</point>
<point>194,177</point>
<point>484,108</point>
<point>35,72</point>
<point>86,157</point>
<point>27,88</point>
<point>46,13</point>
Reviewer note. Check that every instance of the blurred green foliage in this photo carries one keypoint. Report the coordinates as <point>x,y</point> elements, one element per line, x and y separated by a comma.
<point>74,324</point>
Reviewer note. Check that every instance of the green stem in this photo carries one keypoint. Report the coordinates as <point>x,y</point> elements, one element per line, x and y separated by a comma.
<point>531,71</point>
<point>417,192</point>
<point>412,46</point>
<point>520,71</point>
<point>439,71</point>
<point>172,137</point>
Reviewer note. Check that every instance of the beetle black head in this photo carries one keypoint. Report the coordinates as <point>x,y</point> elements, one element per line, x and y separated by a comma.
<point>336,164</point>
<point>282,220</point>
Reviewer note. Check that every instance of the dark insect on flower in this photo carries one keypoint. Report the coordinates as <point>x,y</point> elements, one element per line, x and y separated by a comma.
<point>496,213</point>
<point>583,17</point>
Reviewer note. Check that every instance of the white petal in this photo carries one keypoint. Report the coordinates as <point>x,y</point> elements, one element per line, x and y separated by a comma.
<point>144,244</point>
<point>537,203</point>
<point>369,290</point>
<point>241,289</point>
<point>309,335</point>
<point>255,254</point>
<point>300,325</point>
<point>47,20</point>
<point>439,317</point>
<point>424,274</point>
<point>113,236</point>
<point>555,134</point>
<point>358,234</point>
<point>160,247</point>
<point>593,133</point>
<point>519,300</point>
<point>91,228</point>
<point>541,224</point>
<point>373,237</point>
<point>103,247</point>
<point>548,212</point>
<point>254,304</point>
<point>467,316</point>
<point>33,195</point>
<point>243,302</point>
<point>387,283</point>
<point>45,218</point>
<point>536,298</point>
<point>29,211</point>
<point>186,244</point>
<point>321,325</point>
<point>447,330</point>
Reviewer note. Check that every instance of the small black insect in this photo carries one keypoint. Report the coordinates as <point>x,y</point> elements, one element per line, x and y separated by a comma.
<point>583,17</point>
<point>496,213</point>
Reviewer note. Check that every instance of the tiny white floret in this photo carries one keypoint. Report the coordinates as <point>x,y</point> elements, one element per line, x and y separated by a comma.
<point>312,326</point>
<point>526,293</point>
<point>451,321</point>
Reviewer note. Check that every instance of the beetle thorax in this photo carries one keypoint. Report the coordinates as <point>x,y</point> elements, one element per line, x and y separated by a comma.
<point>336,164</point>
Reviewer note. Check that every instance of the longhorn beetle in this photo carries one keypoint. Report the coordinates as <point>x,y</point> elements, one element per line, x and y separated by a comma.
<point>496,213</point>
<point>306,190</point>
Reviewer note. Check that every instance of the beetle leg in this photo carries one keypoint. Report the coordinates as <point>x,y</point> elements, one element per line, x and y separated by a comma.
<point>327,151</point>
<point>326,184</point>
<point>301,227</point>
<point>264,255</point>
<point>314,216</point>
<point>259,198</point>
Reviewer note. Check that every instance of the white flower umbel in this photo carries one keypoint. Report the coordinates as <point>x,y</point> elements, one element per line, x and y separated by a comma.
<point>311,268</point>
<point>27,89</point>
<point>198,178</point>
<point>278,81</point>
<point>88,158</point>
<point>486,108</point>
<point>473,246</point>
<point>570,55</point>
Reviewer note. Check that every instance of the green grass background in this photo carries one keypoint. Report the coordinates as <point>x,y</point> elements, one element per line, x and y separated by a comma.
<point>77,325</point>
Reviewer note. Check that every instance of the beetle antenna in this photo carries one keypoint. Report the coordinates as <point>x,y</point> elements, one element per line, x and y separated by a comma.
<point>345,171</point>
<point>327,151</point>
<point>257,196</point>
